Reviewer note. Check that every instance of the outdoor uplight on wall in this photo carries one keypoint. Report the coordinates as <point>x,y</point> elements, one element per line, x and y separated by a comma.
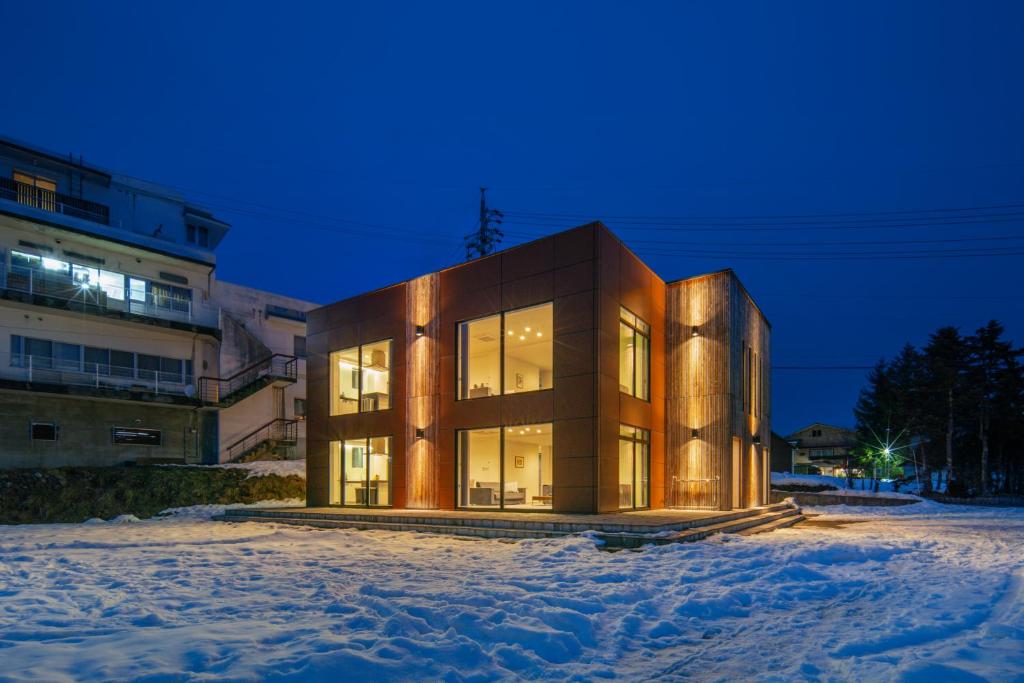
<point>695,331</point>
<point>420,432</point>
<point>419,330</point>
<point>693,433</point>
<point>757,438</point>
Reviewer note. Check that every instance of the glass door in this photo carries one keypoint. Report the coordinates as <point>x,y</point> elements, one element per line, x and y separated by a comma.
<point>366,472</point>
<point>634,467</point>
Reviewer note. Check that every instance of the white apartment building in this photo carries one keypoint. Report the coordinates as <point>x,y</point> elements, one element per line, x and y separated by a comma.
<point>117,343</point>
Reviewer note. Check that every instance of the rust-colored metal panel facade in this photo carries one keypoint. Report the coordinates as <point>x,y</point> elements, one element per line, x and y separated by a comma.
<point>589,277</point>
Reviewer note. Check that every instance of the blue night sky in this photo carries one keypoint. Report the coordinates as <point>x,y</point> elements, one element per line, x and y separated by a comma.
<point>345,144</point>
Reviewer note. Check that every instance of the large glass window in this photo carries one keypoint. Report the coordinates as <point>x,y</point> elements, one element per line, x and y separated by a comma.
<point>361,378</point>
<point>634,467</point>
<point>360,472</point>
<point>509,467</point>
<point>479,367</point>
<point>507,353</point>
<point>634,355</point>
<point>529,349</point>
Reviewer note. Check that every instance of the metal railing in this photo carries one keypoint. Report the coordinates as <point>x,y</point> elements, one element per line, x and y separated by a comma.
<point>278,431</point>
<point>695,494</point>
<point>277,366</point>
<point>48,200</point>
<point>35,369</point>
<point>42,283</point>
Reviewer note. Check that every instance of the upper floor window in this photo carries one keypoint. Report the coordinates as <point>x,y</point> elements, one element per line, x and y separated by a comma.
<point>361,378</point>
<point>634,355</point>
<point>36,191</point>
<point>507,353</point>
<point>298,346</point>
<point>198,234</point>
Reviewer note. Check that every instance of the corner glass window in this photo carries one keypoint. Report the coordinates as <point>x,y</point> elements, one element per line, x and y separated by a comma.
<point>634,467</point>
<point>509,353</point>
<point>361,378</point>
<point>634,356</point>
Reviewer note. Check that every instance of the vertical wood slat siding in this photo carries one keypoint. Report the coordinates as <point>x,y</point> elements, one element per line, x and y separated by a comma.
<point>750,417</point>
<point>719,383</point>
<point>423,397</point>
<point>698,393</point>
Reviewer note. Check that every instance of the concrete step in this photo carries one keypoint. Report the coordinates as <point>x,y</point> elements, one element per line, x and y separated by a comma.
<point>526,521</point>
<point>400,525</point>
<point>783,523</point>
<point>771,515</point>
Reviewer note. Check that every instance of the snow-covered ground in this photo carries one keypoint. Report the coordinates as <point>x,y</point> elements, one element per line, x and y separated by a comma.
<point>915,593</point>
<point>860,488</point>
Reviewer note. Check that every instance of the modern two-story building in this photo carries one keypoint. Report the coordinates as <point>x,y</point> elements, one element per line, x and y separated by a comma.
<point>117,343</point>
<point>558,375</point>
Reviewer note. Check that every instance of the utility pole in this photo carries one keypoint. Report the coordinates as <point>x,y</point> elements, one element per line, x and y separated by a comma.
<point>488,234</point>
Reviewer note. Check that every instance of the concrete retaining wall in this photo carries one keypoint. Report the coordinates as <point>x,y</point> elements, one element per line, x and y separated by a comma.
<point>814,499</point>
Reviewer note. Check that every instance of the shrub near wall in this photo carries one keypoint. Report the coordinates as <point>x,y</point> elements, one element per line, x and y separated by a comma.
<point>75,494</point>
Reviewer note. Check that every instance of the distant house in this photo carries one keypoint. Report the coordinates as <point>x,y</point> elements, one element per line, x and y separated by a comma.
<point>781,454</point>
<point>822,449</point>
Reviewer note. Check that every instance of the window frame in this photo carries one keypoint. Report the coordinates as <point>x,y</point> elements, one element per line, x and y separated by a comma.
<point>645,444</point>
<point>343,480</point>
<point>502,430</point>
<point>32,427</point>
<point>501,353</point>
<point>359,373</point>
<point>646,336</point>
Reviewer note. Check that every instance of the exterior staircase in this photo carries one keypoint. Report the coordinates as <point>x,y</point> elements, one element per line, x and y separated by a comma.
<point>278,370</point>
<point>271,436</point>
<point>615,534</point>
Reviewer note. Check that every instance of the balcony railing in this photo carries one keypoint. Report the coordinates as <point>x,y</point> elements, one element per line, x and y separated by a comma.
<point>33,369</point>
<point>39,282</point>
<point>56,202</point>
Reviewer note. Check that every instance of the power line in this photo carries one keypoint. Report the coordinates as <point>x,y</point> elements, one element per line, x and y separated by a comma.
<point>773,227</point>
<point>990,207</point>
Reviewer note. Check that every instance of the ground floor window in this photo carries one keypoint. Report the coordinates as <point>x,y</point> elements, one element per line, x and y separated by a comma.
<point>505,467</point>
<point>634,467</point>
<point>360,472</point>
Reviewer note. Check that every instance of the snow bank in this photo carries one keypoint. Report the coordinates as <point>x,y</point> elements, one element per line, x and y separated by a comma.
<point>922,592</point>
<point>261,468</point>
<point>885,487</point>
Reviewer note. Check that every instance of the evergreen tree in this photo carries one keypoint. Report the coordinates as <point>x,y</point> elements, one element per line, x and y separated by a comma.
<point>945,364</point>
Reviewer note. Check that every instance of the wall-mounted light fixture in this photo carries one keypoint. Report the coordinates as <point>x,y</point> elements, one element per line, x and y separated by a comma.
<point>693,433</point>
<point>695,331</point>
<point>419,330</point>
<point>757,438</point>
<point>420,432</point>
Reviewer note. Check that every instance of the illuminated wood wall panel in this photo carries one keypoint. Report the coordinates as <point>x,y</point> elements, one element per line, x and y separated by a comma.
<point>711,327</point>
<point>423,397</point>
<point>750,377</point>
